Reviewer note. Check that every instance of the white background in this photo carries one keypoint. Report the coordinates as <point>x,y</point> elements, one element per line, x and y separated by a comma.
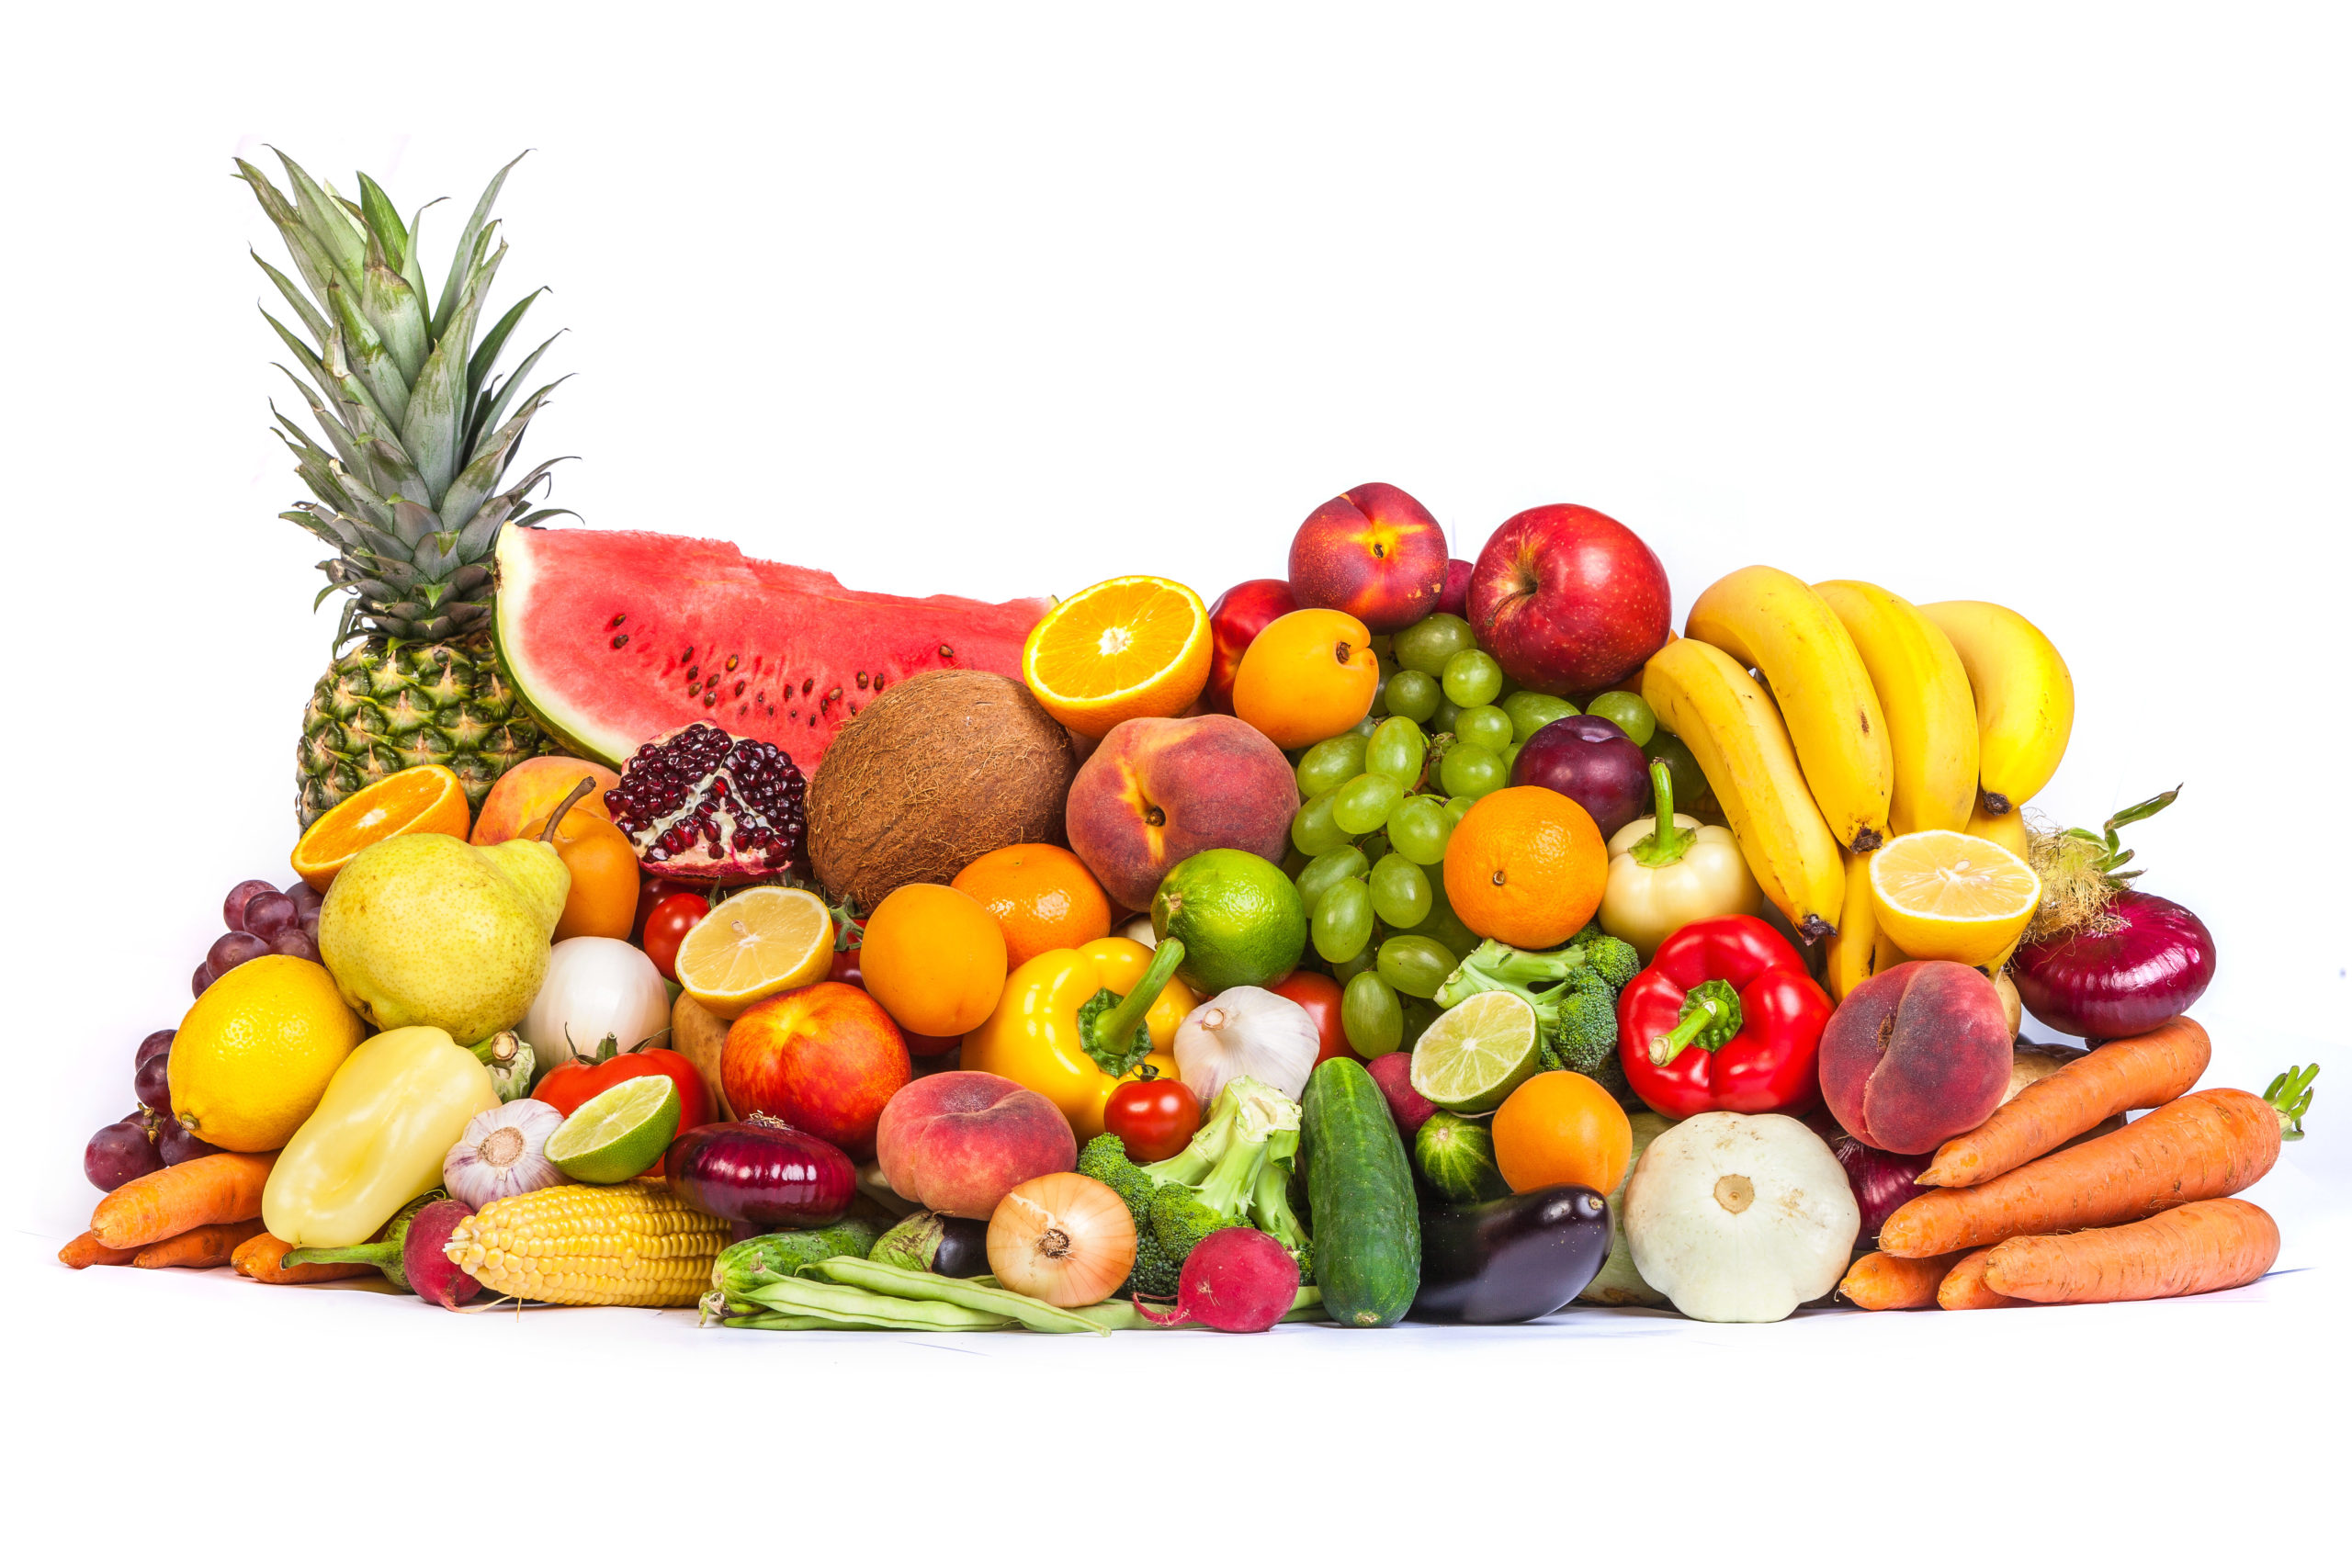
<point>2040,304</point>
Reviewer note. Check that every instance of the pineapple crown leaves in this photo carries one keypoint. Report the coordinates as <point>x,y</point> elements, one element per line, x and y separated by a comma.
<point>410,487</point>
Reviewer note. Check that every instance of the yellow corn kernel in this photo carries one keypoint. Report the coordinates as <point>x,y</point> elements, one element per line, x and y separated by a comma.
<point>634,1244</point>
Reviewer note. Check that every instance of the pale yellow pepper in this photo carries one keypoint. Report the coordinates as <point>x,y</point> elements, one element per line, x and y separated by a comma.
<point>388,1119</point>
<point>1034,1037</point>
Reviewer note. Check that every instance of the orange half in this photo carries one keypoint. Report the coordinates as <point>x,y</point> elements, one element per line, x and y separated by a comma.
<point>1130,647</point>
<point>415,800</point>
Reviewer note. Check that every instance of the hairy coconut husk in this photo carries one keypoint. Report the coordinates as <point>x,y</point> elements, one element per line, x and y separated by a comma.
<point>934,773</point>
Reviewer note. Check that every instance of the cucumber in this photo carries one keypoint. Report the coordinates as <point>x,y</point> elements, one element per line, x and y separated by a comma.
<point>748,1264</point>
<point>1367,1225</point>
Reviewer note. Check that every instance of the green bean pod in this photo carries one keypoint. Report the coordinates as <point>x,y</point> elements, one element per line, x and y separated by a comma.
<point>814,1297</point>
<point>906,1283</point>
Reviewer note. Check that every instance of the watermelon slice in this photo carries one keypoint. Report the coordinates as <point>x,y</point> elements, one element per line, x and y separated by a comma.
<point>613,638</point>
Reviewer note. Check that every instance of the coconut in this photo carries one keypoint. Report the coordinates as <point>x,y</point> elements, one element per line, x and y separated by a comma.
<point>934,773</point>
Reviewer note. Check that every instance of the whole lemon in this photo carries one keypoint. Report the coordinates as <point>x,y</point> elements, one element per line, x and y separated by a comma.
<point>255,1054</point>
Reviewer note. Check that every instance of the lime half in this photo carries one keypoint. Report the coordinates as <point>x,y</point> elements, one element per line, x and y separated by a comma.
<point>1472,1057</point>
<point>621,1133</point>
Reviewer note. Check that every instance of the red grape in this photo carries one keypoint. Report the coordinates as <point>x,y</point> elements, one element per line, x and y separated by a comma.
<point>153,1082</point>
<point>270,913</point>
<point>178,1146</point>
<point>234,948</point>
<point>116,1153</point>
<point>232,909</point>
<point>202,979</point>
<point>306,897</point>
<point>153,1046</point>
<point>296,942</point>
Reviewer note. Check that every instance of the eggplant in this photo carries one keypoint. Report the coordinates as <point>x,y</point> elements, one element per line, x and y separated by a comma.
<point>937,1244</point>
<point>1512,1260</point>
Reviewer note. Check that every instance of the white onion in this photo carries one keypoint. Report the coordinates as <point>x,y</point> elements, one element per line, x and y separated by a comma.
<point>595,986</point>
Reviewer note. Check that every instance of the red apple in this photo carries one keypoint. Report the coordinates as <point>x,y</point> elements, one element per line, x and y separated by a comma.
<point>1375,553</point>
<point>1568,601</point>
<point>1240,612</point>
<point>825,1058</point>
<point>956,1143</point>
<point>1456,598</point>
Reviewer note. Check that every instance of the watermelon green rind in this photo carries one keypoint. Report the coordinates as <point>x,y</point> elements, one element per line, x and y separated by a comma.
<point>681,608</point>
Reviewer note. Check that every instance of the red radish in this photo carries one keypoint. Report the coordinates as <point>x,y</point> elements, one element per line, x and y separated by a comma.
<point>1393,1074</point>
<point>430,1273</point>
<point>1235,1281</point>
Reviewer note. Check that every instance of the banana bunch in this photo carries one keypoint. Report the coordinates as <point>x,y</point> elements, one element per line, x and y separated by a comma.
<point>1881,718</point>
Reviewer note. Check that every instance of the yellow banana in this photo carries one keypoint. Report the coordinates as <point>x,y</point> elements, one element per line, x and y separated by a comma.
<point>2025,698</point>
<point>1857,949</point>
<point>1773,624</point>
<point>2006,830</point>
<point>1923,687</point>
<point>1701,694</point>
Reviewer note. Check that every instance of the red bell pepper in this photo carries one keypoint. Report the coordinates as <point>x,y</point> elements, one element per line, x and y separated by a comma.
<point>1725,1018</point>
<point>579,1080</point>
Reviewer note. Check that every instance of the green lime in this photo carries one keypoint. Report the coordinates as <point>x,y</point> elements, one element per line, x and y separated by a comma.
<point>621,1133</point>
<point>1239,918</point>
<point>1474,1055</point>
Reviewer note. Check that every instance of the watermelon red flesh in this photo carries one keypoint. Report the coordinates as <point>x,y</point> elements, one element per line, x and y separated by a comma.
<point>613,638</point>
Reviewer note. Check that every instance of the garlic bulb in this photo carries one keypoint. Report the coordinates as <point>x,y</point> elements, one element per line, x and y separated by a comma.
<point>1246,1031</point>
<point>504,1152</point>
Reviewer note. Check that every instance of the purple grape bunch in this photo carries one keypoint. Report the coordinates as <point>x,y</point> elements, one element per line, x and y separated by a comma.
<point>262,918</point>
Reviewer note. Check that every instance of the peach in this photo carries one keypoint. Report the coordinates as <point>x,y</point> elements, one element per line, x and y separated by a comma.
<point>527,792</point>
<point>1916,1055</point>
<point>1159,790</point>
<point>956,1143</point>
<point>1375,553</point>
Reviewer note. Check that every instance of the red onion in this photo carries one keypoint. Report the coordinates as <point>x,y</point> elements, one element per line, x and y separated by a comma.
<point>2152,964</point>
<point>1881,1182</point>
<point>762,1172</point>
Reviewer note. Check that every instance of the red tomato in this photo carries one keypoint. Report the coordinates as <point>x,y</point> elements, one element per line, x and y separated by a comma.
<point>667,925</point>
<point>1320,995</point>
<point>651,891</point>
<point>581,1079</point>
<point>1154,1118</point>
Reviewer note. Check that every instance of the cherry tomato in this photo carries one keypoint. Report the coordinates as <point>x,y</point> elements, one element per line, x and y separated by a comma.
<point>667,926</point>
<point>848,968</point>
<point>1320,995</point>
<point>1153,1117</point>
<point>651,891</point>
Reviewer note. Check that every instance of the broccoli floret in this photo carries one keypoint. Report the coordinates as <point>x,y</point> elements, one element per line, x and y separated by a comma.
<point>1178,1220</point>
<point>1614,961</point>
<point>1208,1185</point>
<point>1269,1211</point>
<point>1586,1037</point>
<point>1105,1160</point>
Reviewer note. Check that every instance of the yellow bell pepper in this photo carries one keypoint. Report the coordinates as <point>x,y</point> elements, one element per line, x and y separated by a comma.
<point>1037,1038</point>
<point>377,1140</point>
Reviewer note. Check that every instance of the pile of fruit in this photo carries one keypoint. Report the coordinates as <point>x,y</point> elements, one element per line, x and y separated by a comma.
<point>1405,936</point>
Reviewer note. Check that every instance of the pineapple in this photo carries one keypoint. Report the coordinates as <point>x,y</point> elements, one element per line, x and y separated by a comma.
<point>410,490</point>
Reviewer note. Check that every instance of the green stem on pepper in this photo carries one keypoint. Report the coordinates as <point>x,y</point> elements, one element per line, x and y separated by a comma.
<point>1666,842</point>
<point>1710,1018</point>
<point>1111,1027</point>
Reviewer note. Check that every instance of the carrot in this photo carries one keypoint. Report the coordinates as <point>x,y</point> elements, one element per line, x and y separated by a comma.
<point>1878,1282</point>
<point>213,1191</point>
<point>2212,1246</point>
<point>1964,1290</point>
<point>206,1246</point>
<point>2207,1145</point>
<point>2138,1074</point>
<point>263,1257</point>
<point>86,1249</point>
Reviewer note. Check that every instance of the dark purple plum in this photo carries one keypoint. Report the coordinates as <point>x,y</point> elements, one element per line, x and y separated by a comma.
<point>1592,762</point>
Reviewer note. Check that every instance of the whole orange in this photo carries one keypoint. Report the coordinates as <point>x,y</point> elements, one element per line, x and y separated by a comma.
<point>934,959</point>
<point>604,875</point>
<point>1562,1128</point>
<point>1526,866</point>
<point>1042,894</point>
<point>1307,677</point>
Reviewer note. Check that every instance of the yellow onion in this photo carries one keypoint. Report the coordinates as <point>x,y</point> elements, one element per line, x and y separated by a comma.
<point>1064,1239</point>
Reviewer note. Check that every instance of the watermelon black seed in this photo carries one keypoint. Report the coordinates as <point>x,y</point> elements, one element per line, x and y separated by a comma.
<point>739,685</point>
<point>621,640</point>
<point>861,680</point>
<point>945,651</point>
<point>731,661</point>
<point>618,619</point>
<point>808,684</point>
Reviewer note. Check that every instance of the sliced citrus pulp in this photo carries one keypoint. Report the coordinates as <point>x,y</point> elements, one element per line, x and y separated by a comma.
<point>1130,647</point>
<point>620,1134</point>
<point>1950,895</point>
<point>762,940</point>
<point>427,799</point>
<point>1477,1052</point>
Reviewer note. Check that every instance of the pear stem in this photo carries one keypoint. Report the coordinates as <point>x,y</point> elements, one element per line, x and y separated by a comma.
<point>579,793</point>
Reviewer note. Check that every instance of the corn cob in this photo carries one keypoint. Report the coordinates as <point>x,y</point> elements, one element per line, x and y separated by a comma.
<point>634,1244</point>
